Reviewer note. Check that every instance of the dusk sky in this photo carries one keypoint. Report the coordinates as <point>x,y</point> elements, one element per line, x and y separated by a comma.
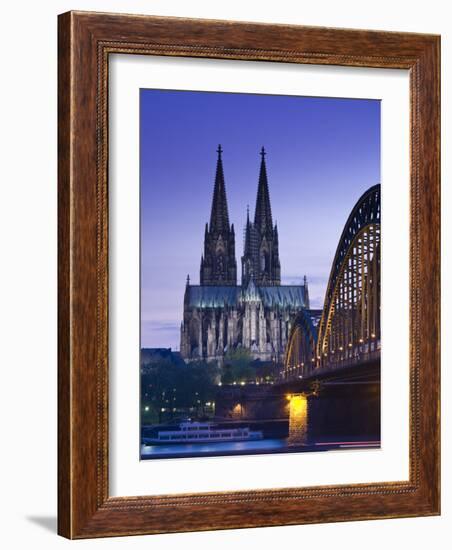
<point>322,154</point>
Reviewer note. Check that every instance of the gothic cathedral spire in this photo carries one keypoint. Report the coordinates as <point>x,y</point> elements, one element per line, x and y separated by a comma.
<point>219,218</point>
<point>263,212</point>
<point>260,260</point>
<point>218,264</point>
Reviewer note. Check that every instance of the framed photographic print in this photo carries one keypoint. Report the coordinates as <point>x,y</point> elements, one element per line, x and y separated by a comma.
<point>248,275</point>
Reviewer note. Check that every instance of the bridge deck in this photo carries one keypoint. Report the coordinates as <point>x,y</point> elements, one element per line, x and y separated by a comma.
<point>367,371</point>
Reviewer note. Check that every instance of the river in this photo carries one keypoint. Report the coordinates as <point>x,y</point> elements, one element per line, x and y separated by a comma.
<point>264,446</point>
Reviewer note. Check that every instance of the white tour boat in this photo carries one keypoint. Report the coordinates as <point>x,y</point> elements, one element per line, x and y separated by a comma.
<point>202,432</point>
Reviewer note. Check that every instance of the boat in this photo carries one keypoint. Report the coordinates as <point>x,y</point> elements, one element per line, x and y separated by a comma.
<point>202,432</point>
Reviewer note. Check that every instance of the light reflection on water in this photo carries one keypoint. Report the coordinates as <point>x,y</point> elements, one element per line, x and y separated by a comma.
<point>217,447</point>
<point>253,447</point>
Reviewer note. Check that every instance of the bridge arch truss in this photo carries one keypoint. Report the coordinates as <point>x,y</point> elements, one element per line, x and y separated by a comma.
<point>349,327</point>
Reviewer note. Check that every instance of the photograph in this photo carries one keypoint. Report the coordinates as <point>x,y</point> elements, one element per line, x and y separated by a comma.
<point>225,349</point>
<point>260,273</point>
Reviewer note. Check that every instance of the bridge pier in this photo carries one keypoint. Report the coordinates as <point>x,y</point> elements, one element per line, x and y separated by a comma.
<point>298,420</point>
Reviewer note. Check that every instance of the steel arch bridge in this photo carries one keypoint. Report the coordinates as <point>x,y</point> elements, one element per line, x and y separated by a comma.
<point>349,329</point>
<point>301,349</point>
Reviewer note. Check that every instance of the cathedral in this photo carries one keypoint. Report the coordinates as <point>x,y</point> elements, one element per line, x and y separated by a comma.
<point>220,315</point>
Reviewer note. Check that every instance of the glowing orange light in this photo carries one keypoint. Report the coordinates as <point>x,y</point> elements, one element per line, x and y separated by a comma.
<point>298,420</point>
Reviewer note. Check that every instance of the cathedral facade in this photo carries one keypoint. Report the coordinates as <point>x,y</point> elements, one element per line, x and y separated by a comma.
<point>221,315</point>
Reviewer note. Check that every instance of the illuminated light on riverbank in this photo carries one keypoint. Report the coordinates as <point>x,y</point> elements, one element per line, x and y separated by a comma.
<point>237,411</point>
<point>298,420</point>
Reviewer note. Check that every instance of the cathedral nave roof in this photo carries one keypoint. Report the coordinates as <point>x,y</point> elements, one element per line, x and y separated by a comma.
<point>285,296</point>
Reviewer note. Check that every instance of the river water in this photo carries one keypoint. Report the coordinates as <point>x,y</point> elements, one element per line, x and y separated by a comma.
<point>264,446</point>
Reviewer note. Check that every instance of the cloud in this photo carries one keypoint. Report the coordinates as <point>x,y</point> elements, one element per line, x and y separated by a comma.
<point>298,279</point>
<point>160,326</point>
<point>157,334</point>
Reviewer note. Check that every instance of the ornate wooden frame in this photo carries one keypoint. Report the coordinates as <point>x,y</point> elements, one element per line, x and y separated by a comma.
<point>85,42</point>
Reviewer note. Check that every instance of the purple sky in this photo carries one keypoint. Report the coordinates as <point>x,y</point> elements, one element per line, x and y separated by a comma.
<point>322,154</point>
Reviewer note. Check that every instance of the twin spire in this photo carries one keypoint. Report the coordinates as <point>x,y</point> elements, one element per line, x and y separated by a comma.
<point>219,217</point>
<point>261,258</point>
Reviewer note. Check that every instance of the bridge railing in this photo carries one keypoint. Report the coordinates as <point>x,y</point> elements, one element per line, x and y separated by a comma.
<point>360,355</point>
<point>347,353</point>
